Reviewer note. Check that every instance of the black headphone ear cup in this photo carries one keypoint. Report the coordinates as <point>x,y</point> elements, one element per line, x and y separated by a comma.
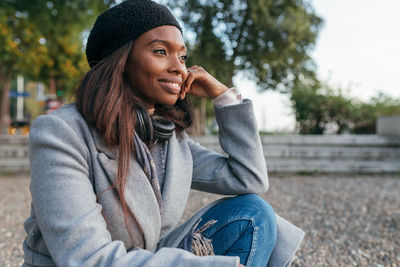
<point>144,127</point>
<point>153,127</point>
<point>163,128</point>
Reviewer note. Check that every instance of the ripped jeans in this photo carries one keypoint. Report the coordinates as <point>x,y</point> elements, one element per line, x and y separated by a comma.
<point>245,227</point>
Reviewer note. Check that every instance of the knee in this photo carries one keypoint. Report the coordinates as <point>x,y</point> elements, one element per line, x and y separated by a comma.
<point>250,206</point>
<point>260,206</point>
<point>259,209</point>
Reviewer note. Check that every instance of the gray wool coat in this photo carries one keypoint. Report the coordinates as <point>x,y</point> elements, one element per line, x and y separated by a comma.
<point>76,220</point>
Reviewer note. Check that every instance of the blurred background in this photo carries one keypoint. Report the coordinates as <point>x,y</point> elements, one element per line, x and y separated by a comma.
<point>311,67</point>
<point>324,80</point>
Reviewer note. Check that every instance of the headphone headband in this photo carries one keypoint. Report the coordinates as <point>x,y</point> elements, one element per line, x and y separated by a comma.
<point>153,127</point>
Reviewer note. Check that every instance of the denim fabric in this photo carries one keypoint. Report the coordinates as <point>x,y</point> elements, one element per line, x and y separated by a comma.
<point>245,227</point>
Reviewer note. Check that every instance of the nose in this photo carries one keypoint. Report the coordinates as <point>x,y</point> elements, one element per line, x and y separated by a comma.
<point>177,66</point>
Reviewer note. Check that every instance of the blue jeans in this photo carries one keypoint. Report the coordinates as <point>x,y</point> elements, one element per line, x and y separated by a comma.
<point>245,227</point>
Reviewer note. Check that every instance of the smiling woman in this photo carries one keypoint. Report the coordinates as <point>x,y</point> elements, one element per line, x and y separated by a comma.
<point>156,69</point>
<point>156,66</point>
<point>111,173</point>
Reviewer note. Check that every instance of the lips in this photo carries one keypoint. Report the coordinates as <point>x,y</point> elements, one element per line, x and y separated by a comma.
<point>171,85</point>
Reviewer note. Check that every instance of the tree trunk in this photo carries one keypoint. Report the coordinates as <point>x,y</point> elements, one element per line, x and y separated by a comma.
<point>203,110</point>
<point>230,80</point>
<point>195,131</point>
<point>199,125</point>
<point>52,88</point>
<point>5,102</point>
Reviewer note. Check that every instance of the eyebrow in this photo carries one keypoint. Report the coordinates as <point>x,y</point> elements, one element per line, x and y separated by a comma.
<point>164,42</point>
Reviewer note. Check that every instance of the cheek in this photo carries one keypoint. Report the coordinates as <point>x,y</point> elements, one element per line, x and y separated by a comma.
<point>153,67</point>
<point>139,74</point>
<point>149,71</point>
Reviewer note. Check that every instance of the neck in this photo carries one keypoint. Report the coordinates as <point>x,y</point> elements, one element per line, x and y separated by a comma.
<point>150,110</point>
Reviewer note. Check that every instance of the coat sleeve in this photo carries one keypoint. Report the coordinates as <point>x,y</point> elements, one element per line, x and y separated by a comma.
<point>68,215</point>
<point>243,170</point>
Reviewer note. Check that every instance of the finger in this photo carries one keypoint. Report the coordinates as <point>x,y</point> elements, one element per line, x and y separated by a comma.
<point>184,90</point>
<point>182,94</point>
<point>189,80</point>
<point>192,67</point>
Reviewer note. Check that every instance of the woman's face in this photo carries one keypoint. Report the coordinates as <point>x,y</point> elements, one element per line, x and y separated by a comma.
<point>156,65</point>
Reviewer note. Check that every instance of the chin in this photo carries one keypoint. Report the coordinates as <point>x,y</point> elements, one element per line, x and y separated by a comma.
<point>169,101</point>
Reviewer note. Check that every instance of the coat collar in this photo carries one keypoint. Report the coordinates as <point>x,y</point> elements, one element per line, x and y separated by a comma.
<point>110,151</point>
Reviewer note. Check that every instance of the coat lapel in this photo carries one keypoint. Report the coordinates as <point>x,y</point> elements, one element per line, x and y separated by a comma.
<point>177,181</point>
<point>139,194</point>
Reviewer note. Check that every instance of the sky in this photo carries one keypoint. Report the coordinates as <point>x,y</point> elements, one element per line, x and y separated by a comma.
<point>358,48</point>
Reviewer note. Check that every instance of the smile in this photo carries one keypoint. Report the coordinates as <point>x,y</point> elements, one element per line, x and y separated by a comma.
<point>171,87</point>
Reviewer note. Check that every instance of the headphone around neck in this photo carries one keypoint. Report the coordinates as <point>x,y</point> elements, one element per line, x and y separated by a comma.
<point>153,127</point>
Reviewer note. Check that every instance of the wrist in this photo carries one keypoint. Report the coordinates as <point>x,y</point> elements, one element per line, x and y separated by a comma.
<point>219,91</point>
<point>229,97</point>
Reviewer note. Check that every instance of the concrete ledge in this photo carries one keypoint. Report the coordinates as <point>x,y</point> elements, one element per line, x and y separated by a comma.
<point>320,140</point>
<point>332,166</point>
<point>388,125</point>
<point>14,154</point>
<point>13,140</point>
<point>351,154</point>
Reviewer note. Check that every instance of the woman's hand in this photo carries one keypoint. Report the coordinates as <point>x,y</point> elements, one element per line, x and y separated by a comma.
<point>241,265</point>
<point>200,83</point>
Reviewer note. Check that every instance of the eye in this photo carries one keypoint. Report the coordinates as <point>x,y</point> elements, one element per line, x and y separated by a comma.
<point>160,51</point>
<point>183,58</point>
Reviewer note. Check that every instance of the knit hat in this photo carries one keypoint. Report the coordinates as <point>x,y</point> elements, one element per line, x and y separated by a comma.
<point>123,23</point>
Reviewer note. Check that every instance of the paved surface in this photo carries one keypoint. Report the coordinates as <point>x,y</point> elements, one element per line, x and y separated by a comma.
<point>349,221</point>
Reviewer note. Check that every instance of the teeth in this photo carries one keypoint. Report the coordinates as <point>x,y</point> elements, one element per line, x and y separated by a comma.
<point>172,84</point>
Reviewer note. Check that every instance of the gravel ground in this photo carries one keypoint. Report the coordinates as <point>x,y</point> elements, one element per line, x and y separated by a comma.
<point>349,221</point>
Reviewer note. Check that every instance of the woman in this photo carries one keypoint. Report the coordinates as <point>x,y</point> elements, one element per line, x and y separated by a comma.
<point>111,173</point>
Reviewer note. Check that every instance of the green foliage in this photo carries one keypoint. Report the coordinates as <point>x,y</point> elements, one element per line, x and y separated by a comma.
<point>268,39</point>
<point>20,47</point>
<point>307,172</point>
<point>367,113</point>
<point>211,57</point>
<point>62,23</point>
<point>317,105</point>
<point>21,52</point>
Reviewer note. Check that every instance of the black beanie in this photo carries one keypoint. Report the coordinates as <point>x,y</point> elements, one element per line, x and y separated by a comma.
<point>123,23</point>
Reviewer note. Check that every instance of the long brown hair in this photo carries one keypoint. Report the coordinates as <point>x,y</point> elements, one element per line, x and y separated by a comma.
<point>109,105</point>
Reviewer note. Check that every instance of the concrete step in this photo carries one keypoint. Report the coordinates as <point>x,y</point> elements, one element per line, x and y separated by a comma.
<point>292,154</point>
<point>14,165</point>
<point>331,152</point>
<point>14,152</point>
<point>14,140</point>
<point>327,154</point>
<point>333,166</point>
<point>317,140</point>
<point>332,140</point>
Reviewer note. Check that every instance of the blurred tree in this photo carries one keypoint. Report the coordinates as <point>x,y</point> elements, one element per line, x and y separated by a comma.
<point>367,113</point>
<point>316,106</point>
<point>212,56</point>
<point>21,52</point>
<point>62,23</point>
<point>270,40</point>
